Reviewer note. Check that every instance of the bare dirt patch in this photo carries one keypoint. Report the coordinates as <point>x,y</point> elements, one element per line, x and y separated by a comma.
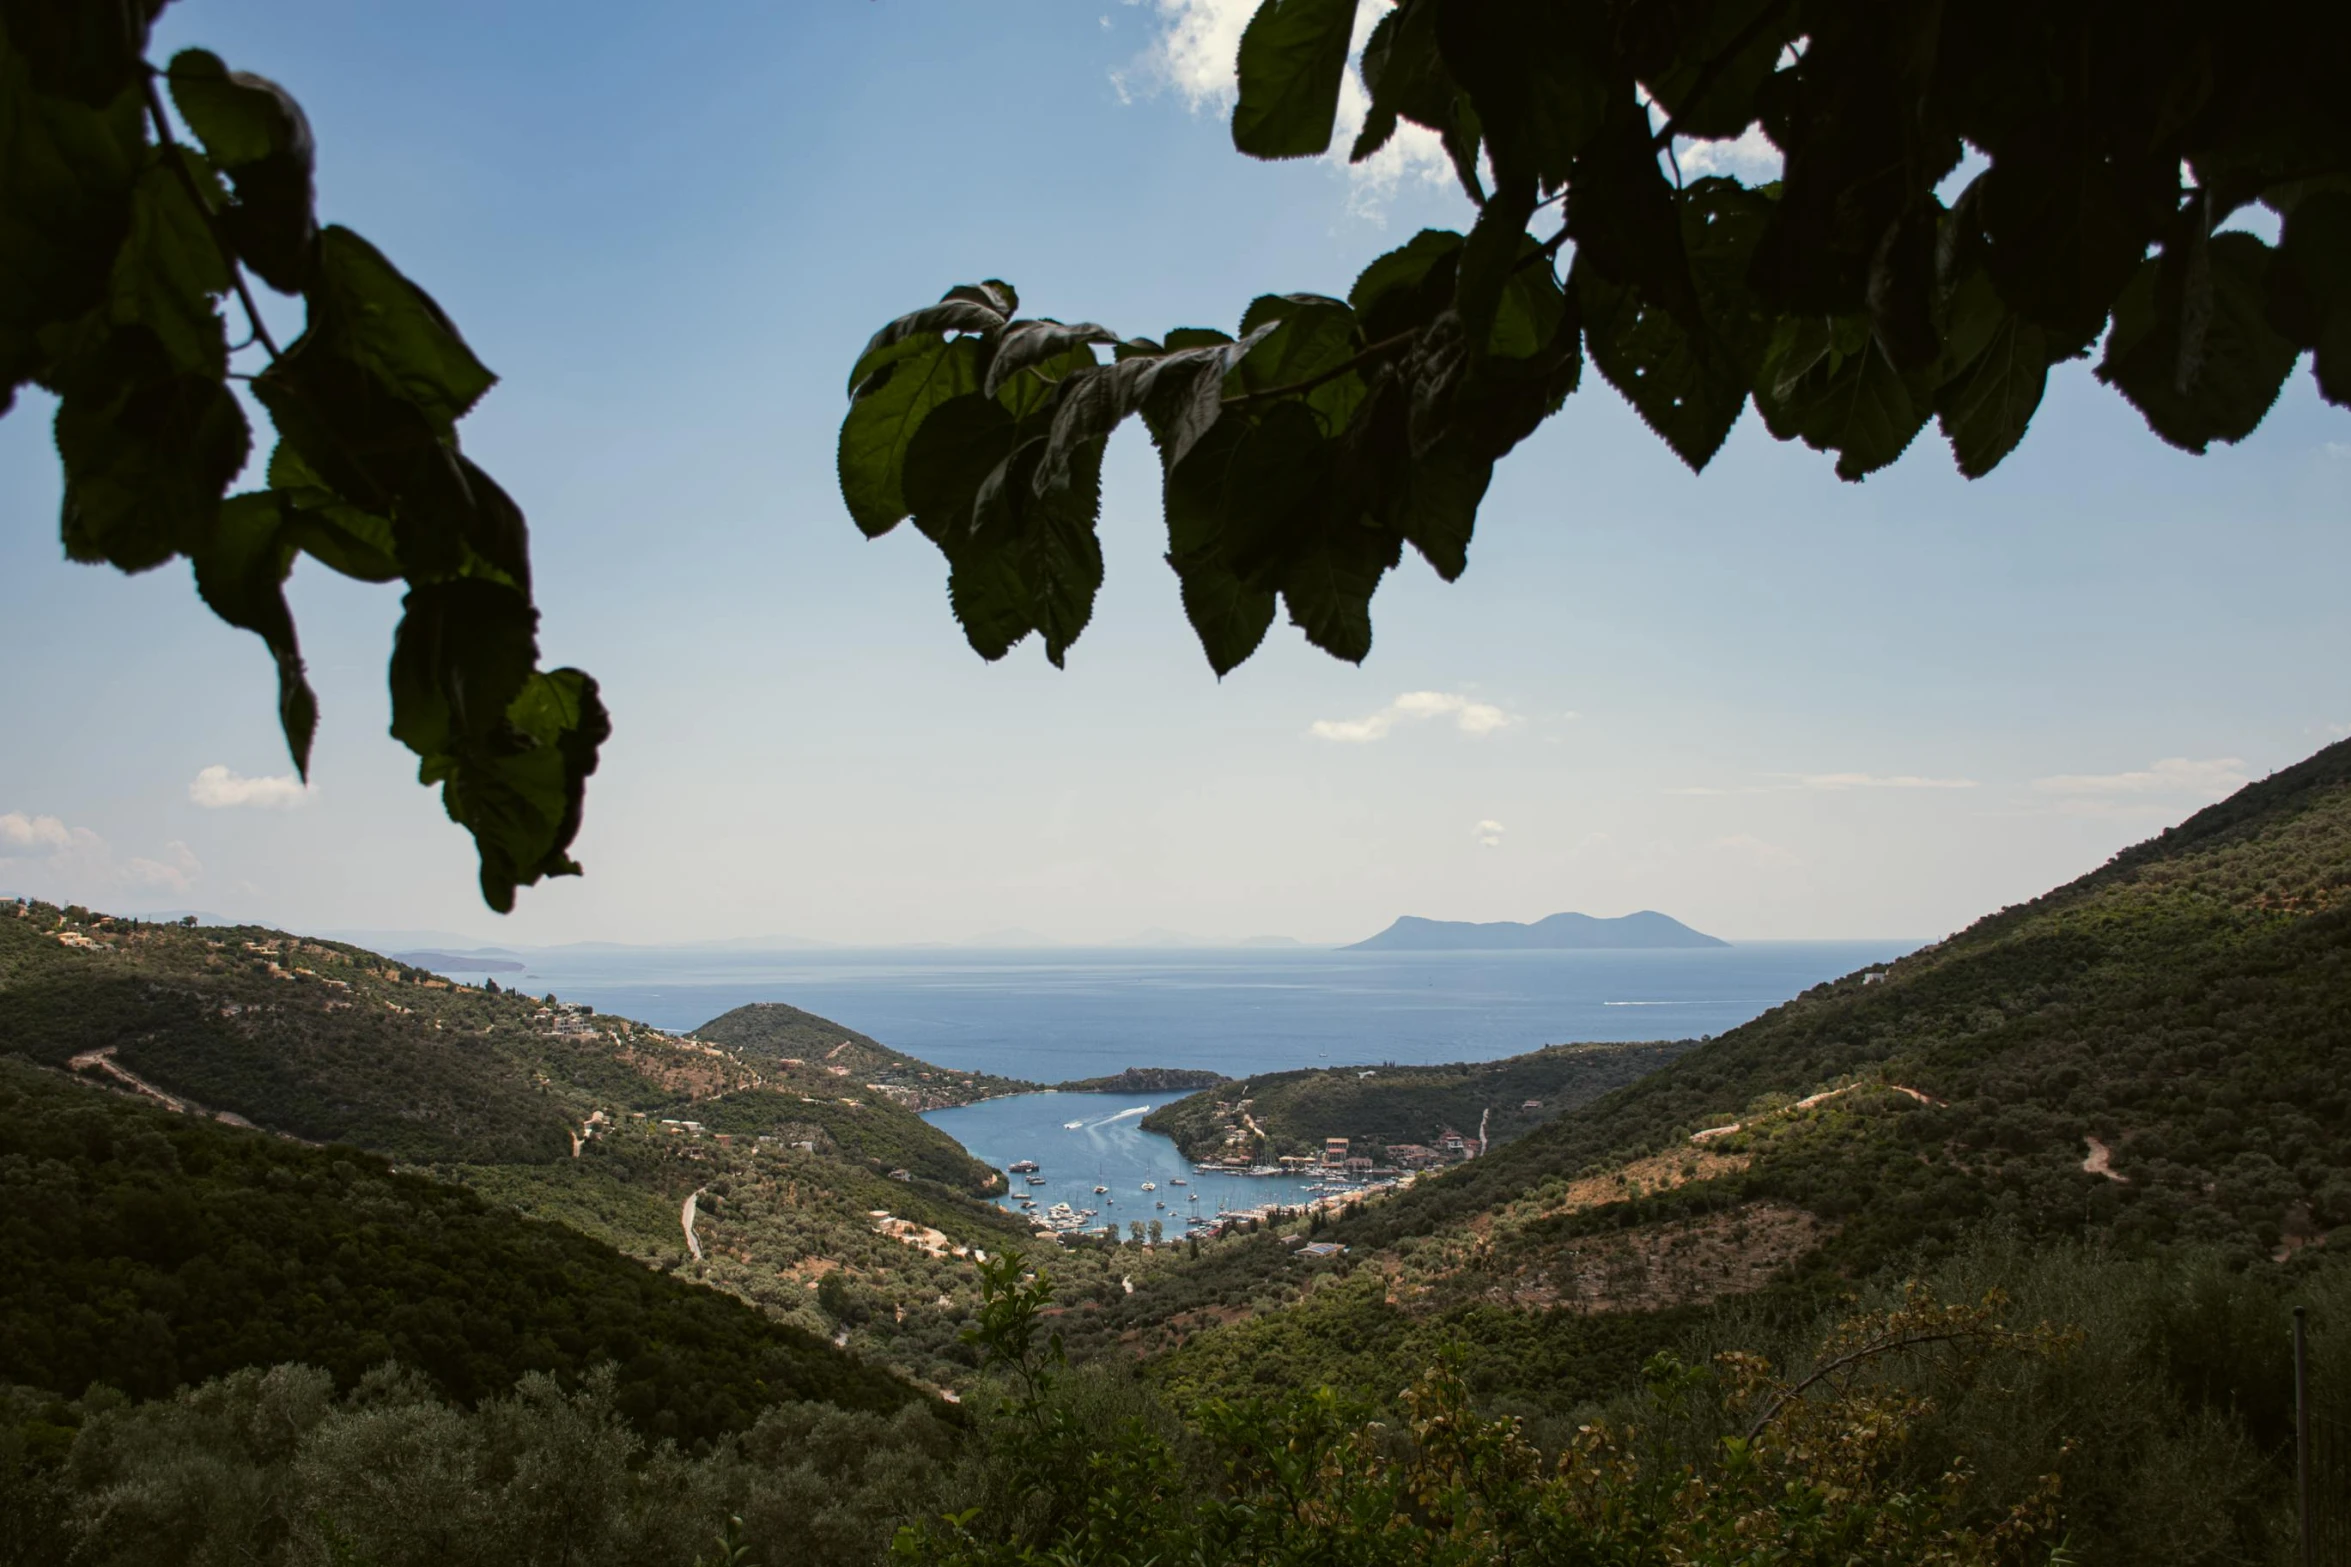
<point>1680,1262</point>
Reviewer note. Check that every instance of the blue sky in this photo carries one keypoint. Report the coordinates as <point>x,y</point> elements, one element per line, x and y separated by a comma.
<point>1771,704</point>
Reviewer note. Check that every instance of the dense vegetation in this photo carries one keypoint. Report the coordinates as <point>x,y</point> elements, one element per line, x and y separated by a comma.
<point>271,1468</point>
<point>1145,1080</point>
<point>144,1250</point>
<point>770,1031</point>
<point>1379,1107</point>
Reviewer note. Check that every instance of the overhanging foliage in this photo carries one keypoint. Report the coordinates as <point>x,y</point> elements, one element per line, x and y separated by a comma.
<point>119,246</point>
<point>1972,195</point>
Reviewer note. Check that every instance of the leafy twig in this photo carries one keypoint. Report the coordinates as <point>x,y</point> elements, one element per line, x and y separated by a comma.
<point>228,252</point>
<point>1379,350</point>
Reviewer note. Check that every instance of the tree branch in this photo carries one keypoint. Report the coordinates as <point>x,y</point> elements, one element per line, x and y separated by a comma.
<point>1378,350</point>
<point>1789,1395</point>
<point>220,241</point>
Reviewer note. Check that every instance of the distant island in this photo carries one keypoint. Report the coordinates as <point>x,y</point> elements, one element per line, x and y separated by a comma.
<point>1560,932</point>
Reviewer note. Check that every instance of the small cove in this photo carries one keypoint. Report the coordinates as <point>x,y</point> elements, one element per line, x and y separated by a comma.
<point>1081,1141</point>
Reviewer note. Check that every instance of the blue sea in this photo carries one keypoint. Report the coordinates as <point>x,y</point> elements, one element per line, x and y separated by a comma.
<point>1081,1141</point>
<point>1057,1015</point>
<point>1054,1015</point>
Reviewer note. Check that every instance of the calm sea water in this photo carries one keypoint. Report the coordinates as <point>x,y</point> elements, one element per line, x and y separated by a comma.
<point>1081,1141</point>
<point>1051,1016</point>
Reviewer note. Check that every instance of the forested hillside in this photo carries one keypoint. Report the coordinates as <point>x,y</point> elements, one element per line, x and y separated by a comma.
<point>141,1250</point>
<point>1385,1107</point>
<point>772,1033</point>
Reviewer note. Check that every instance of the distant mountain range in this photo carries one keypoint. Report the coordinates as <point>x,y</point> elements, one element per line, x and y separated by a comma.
<point>1560,932</point>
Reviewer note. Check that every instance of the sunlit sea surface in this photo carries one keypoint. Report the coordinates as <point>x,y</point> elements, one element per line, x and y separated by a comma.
<point>1052,1016</point>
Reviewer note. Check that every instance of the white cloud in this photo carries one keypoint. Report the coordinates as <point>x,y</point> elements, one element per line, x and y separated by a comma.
<point>1831,783</point>
<point>52,859</point>
<point>1764,856</point>
<point>45,833</point>
<point>1749,157</point>
<point>1834,781</point>
<point>1193,54</point>
<point>2174,775</point>
<point>218,789</point>
<point>1469,716</point>
<point>1489,833</point>
<point>178,868</point>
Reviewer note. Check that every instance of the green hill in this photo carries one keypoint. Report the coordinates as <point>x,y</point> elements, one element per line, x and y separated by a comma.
<point>769,1031</point>
<point>143,1250</point>
<point>2187,1006</point>
<point>330,1043</point>
<point>2152,1059</point>
<point>1376,1109</point>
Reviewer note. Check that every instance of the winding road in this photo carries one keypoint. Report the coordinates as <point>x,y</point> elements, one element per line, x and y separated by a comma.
<point>686,1219</point>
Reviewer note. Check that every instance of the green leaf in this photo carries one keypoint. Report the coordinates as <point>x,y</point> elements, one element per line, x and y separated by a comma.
<point>1686,374</point>
<point>1328,584</point>
<point>1539,73</point>
<point>241,572</point>
<point>393,330</point>
<point>1830,384</point>
<point>2310,288</point>
<point>1238,495</point>
<point>1180,394</point>
<point>169,268</point>
<point>1293,55</point>
<point>952,453</point>
<point>462,654</point>
<point>1310,335</point>
<point>148,455</point>
<point>1405,289</point>
<point>258,135</point>
<point>374,449</point>
<point>1436,507</point>
<point>914,376</point>
<point>958,312</point>
<point>511,747</point>
<point>2221,393</point>
<point>1984,409</point>
<point>1028,345</point>
<point>1030,561</point>
<point>1405,74</point>
<point>2064,237</point>
<point>1228,616</point>
<point>1682,383</point>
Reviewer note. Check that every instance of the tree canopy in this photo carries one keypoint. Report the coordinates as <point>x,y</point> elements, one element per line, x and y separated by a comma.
<point>1971,195</point>
<point>120,244</point>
